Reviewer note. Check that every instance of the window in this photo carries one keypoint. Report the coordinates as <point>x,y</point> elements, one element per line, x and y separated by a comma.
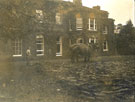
<point>92,40</point>
<point>58,18</point>
<point>105,29</point>
<point>70,42</point>
<point>70,25</point>
<point>79,23</point>
<point>40,45</point>
<point>79,40</point>
<point>17,47</point>
<point>117,29</point>
<point>59,46</point>
<point>39,15</point>
<point>105,46</point>
<point>92,24</point>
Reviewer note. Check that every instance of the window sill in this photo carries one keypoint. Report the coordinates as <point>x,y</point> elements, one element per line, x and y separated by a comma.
<point>17,55</point>
<point>40,54</point>
<point>79,29</point>
<point>59,24</point>
<point>58,54</point>
<point>92,30</point>
<point>105,50</point>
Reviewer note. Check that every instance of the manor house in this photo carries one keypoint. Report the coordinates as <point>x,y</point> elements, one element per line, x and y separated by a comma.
<point>57,24</point>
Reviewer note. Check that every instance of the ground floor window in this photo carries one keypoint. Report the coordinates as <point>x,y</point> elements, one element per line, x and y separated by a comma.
<point>92,40</point>
<point>40,45</point>
<point>80,40</point>
<point>59,46</point>
<point>17,47</point>
<point>105,46</point>
<point>70,42</point>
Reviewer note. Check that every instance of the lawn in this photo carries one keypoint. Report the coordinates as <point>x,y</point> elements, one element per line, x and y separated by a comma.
<point>103,79</point>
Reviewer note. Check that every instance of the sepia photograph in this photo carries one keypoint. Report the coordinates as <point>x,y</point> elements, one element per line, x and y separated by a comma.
<point>67,50</point>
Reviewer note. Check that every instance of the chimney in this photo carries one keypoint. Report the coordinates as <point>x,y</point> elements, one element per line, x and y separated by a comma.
<point>96,7</point>
<point>77,2</point>
<point>55,0</point>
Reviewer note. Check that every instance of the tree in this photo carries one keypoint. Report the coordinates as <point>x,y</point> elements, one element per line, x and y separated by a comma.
<point>16,18</point>
<point>126,39</point>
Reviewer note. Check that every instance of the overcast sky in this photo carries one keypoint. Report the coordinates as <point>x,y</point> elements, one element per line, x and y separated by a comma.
<point>120,10</point>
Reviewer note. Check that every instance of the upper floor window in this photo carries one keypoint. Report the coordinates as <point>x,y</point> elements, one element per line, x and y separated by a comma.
<point>117,29</point>
<point>92,24</point>
<point>79,22</point>
<point>17,47</point>
<point>39,15</point>
<point>59,46</point>
<point>105,46</point>
<point>40,45</point>
<point>105,29</point>
<point>58,18</point>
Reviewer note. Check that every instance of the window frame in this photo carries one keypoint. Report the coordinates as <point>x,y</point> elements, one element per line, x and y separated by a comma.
<point>105,29</point>
<point>59,42</point>
<point>94,28</point>
<point>70,42</point>
<point>58,18</point>
<point>17,44</point>
<point>105,46</point>
<point>70,25</point>
<point>39,15</point>
<point>41,44</point>
<point>79,23</point>
<point>79,39</point>
<point>93,39</point>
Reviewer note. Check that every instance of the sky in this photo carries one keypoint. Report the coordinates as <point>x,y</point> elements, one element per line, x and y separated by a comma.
<point>120,10</point>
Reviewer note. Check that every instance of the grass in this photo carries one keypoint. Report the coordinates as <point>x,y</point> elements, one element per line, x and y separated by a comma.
<point>104,79</point>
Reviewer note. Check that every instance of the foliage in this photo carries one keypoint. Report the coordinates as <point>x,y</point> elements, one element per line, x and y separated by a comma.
<point>15,18</point>
<point>126,39</point>
<point>18,17</point>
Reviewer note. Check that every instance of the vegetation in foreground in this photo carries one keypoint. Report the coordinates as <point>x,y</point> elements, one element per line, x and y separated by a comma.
<point>105,80</point>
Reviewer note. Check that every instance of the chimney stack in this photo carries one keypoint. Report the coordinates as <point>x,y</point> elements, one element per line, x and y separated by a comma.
<point>96,7</point>
<point>77,2</point>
